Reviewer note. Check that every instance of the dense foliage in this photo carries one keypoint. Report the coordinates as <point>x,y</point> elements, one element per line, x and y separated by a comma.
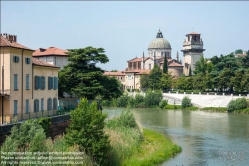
<point>153,98</point>
<point>87,131</point>
<point>224,73</point>
<point>186,102</point>
<point>82,78</point>
<point>238,104</point>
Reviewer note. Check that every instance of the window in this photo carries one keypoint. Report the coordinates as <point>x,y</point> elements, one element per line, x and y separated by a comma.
<point>129,77</point>
<point>42,104</point>
<point>50,83</point>
<point>36,105</point>
<point>55,104</point>
<point>49,104</point>
<point>16,59</point>
<point>55,83</point>
<point>43,80</point>
<point>27,105</point>
<point>149,66</point>
<point>27,60</point>
<point>15,107</point>
<point>15,82</point>
<point>27,81</point>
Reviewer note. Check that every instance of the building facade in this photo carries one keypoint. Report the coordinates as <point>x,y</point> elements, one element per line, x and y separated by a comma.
<point>157,49</point>
<point>52,55</point>
<point>192,51</point>
<point>28,86</point>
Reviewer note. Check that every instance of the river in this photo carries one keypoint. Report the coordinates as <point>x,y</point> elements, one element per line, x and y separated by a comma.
<point>206,138</point>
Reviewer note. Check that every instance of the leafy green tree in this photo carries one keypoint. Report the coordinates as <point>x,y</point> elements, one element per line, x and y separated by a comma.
<point>182,82</point>
<point>199,81</point>
<point>155,76</point>
<point>81,76</point>
<point>165,65</point>
<point>186,102</point>
<point>29,136</point>
<point>144,81</point>
<point>87,131</point>
<point>166,81</point>
<point>201,66</point>
<point>239,51</point>
<point>190,71</point>
<point>224,79</point>
<point>245,80</point>
<point>237,81</point>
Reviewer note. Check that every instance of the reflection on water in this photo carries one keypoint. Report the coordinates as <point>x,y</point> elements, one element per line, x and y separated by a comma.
<point>206,138</point>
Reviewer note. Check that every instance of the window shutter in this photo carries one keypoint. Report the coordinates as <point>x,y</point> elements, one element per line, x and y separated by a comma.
<point>36,82</point>
<point>17,59</point>
<point>55,83</point>
<point>49,83</point>
<point>48,104</point>
<point>27,106</point>
<point>15,107</point>
<point>52,83</point>
<point>37,105</point>
<point>39,82</point>
<point>42,103</point>
<point>14,58</point>
<point>44,83</point>
<point>15,82</point>
<point>27,81</point>
<point>34,105</point>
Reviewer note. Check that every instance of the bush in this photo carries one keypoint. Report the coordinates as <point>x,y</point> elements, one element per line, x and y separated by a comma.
<point>237,104</point>
<point>128,90</point>
<point>186,102</point>
<point>153,98</point>
<point>241,103</point>
<point>122,101</point>
<point>231,106</point>
<point>126,119</point>
<point>87,131</point>
<point>138,99</point>
<point>163,103</point>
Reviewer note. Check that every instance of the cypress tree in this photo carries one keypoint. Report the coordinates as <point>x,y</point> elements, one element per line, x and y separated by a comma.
<point>190,71</point>
<point>165,65</point>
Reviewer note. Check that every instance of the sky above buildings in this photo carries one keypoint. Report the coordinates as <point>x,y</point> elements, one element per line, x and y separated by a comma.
<point>125,29</point>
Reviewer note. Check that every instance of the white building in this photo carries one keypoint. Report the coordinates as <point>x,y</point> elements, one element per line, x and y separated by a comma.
<point>52,55</point>
<point>192,51</point>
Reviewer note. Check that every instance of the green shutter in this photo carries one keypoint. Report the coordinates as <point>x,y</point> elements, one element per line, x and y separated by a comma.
<point>36,82</point>
<point>15,82</point>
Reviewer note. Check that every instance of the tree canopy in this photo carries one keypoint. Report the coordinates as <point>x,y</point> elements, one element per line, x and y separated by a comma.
<point>82,78</point>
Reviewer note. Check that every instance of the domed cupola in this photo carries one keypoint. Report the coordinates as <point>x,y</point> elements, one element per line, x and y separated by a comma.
<point>159,46</point>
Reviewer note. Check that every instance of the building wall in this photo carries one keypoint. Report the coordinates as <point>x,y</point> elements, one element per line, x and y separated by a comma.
<point>129,80</point>
<point>159,52</point>
<point>175,71</point>
<point>58,61</point>
<point>46,93</point>
<point>147,63</point>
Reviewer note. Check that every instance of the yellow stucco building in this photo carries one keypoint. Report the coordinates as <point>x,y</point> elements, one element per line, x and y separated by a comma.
<point>28,86</point>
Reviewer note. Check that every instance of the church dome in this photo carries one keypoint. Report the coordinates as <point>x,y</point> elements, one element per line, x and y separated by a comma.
<point>159,42</point>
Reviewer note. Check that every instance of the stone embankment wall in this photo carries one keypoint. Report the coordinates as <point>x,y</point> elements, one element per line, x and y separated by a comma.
<point>202,100</point>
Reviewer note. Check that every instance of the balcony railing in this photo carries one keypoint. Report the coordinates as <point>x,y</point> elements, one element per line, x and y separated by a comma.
<point>4,91</point>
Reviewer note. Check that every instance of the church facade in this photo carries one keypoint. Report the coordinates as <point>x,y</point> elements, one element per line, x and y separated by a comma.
<point>157,49</point>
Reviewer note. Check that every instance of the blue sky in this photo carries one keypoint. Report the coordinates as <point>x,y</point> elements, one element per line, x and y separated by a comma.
<point>125,29</point>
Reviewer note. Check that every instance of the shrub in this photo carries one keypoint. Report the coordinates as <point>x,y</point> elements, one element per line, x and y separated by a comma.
<point>186,102</point>
<point>122,101</point>
<point>45,123</point>
<point>163,103</point>
<point>241,103</point>
<point>128,90</point>
<point>141,105</point>
<point>126,119</point>
<point>231,106</point>
<point>107,103</point>
<point>153,98</point>
<point>237,104</point>
<point>138,99</point>
<point>87,131</point>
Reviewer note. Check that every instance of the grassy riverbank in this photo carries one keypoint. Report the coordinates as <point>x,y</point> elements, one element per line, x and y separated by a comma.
<point>133,146</point>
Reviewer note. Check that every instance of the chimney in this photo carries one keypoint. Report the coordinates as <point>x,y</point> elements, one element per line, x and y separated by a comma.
<point>10,38</point>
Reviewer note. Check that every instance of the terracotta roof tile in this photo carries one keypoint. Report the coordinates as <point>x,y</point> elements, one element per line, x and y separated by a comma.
<point>175,64</point>
<point>50,51</point>
<point>118,73</point>
<point>138,59</point>
<point>38,62</point>
<point>6,43</point>
<point>145,71</point>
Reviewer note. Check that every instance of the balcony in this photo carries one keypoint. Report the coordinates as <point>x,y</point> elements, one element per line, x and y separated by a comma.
<point>4,92</point>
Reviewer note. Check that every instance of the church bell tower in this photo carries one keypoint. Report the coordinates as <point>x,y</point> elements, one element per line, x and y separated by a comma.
<point>192,51</point>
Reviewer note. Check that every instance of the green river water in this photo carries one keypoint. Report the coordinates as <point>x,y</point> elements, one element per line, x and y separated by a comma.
<point>206,138</point>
